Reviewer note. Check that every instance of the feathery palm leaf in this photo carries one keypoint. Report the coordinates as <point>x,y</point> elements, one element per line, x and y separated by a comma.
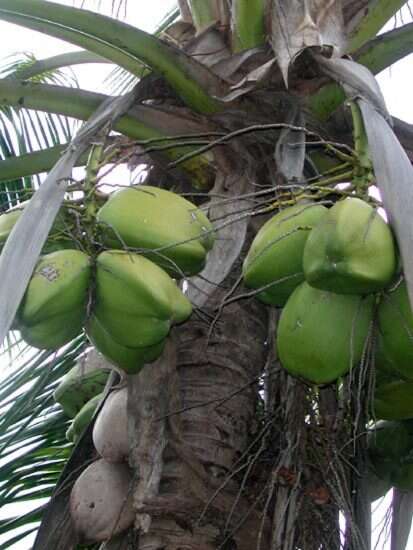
<point>33,446</point>
<point>24,131</point>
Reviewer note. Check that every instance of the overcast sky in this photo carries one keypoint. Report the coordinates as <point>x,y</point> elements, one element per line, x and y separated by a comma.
<point>396,83</point>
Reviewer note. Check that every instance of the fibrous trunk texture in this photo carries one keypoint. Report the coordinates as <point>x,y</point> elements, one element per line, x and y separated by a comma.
<point>191,419</point>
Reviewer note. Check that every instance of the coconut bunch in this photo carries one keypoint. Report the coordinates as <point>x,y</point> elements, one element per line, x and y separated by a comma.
<point>80,391</point>
<point>123,290</point>
<point>328,269</point>
<point>100,502</point>
<point>101,498</point>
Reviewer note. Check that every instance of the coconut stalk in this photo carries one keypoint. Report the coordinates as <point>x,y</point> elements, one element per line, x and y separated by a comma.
<point>248,24</point>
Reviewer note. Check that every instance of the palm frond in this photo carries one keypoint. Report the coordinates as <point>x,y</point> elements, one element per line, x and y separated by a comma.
<point>24,131</point>
<point>33,447</point>
<point>122,44</point>
<point>119,80</point>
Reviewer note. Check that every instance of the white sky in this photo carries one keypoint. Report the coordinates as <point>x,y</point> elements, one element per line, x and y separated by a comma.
<point>396,83</point>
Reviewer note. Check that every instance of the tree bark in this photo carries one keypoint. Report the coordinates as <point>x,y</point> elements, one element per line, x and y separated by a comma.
<point>191,419</point>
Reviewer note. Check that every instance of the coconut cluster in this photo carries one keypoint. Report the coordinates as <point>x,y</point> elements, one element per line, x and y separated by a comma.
<point>101,498</point>
<point>101,502</point>
<point>335,272</point>
<point>123,292</point>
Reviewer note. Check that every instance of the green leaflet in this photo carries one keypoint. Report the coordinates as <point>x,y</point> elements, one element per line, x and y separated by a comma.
<point>376,16</point>
<point>118,42</point>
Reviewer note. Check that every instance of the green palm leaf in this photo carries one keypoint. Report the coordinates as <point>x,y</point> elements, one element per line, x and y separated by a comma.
<point>120,43</point>
<point>23,131</point>
<point>33,447</point>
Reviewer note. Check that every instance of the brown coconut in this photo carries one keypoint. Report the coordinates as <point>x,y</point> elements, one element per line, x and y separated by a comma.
<point>110,432</point>
<point>101,501</point>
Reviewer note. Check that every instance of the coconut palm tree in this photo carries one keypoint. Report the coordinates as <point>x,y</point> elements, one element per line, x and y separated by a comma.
<point>245,107</point>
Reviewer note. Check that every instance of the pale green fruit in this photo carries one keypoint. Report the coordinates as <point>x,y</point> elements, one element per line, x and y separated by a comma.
<point>395,334</point>
<point>84,417</point>
<point>54,305</point>
<point>79,385</point>
<point>352,250</point>
<point>136,301</point>
<point>131,360</point>
<point>393,400</point>
<point>59,236</point>
<point>7,221</point>
<point>276,254</point>
<point>322,335</point>
<point>54,332</point>
<point>388,443</point>
<point>150,218</point>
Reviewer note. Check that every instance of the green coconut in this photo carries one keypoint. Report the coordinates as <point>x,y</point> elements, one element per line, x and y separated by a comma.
<point>84,417</point>
<point>54,332</point>
<point>388,442</point>
<point>276,254</point>
<point>352,250</point>
<point>390,448</point>
<point>395,333</point>
<point>58,236</point>
<point>393,400</point>
<point>79,385</point>
<point>179,233</point>
<point>322,335</point>
<point>54,305</point>
<point>7,221</point>
<point>129,359</point>
<point>136,301</point>
<point>402,478</point>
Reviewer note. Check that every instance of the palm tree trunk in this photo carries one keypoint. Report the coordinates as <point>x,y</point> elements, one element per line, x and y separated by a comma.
<point>191,421</point>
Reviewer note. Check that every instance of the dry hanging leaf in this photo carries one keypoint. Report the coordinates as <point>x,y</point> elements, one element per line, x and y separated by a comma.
<point>299,24</point>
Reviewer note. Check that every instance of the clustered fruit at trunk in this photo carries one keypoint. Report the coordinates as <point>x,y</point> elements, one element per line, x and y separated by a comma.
<point>333,270</point>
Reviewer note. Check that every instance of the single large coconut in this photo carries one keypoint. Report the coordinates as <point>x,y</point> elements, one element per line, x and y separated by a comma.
<point>101,501</point>
<point>395,333</point>
<point>59,236</point>
<point>388,443</point>
<point>82,382</point>
<point>136,301</point>
<point>351,251</point>
<point>110,432</point>
<point>393,400</point>
<point>54,305</point>
<point>322,335</point>
<point>153,219</point>
<point>130,360</point>
<point>83,418</point>
<point>276,254</point>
